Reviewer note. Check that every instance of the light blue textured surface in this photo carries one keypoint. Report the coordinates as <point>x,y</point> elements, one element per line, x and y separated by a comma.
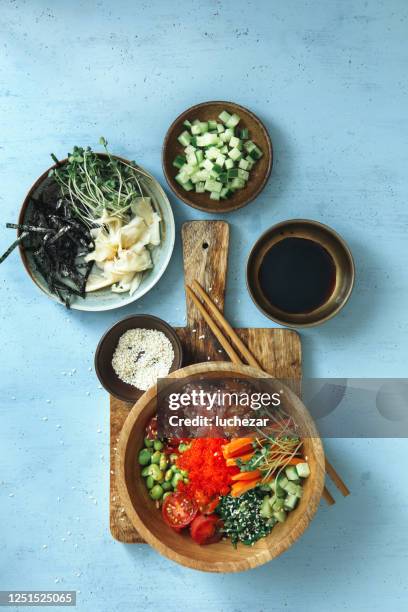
<point>330,81</point>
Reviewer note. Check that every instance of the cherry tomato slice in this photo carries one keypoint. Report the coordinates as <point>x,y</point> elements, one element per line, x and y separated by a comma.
<point>206,529</point>
<point>178,510</point>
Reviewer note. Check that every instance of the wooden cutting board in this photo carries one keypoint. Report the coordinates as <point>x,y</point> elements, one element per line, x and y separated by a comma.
<point>205,254</point>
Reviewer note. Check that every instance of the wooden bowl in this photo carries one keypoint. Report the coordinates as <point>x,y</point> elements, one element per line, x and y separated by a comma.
<point>258,176</point>
<point>220,557</point>
<point>327,238</point>
<point>108,343</point>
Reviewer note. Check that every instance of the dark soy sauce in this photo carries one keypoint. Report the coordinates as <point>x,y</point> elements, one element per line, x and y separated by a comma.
<point>297,275</point>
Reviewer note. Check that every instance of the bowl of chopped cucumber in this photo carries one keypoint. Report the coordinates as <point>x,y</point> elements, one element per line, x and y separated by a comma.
<point>217,156</point>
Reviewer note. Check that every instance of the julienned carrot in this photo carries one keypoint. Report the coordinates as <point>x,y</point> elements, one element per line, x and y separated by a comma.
<point>246,475</point>
<point>233,460</point>
<point>237,447</point>
<point>238,488</point>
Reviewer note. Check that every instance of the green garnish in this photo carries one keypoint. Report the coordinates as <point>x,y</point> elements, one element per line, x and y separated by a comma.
<point>242,519</point>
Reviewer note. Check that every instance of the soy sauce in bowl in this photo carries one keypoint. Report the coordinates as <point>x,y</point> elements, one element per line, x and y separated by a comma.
<point>297,275</point>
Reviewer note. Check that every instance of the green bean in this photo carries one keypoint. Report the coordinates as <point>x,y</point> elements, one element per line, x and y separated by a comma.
<point>149,482</point>
<point>144,457</point>
<point>158,445</point>
<point>156,457</point>
<point>148,443</point>
<point>156,492</point>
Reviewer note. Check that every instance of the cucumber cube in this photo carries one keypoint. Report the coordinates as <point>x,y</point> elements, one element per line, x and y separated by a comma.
<point>207,140</point>
<point>212,125</point>
<point>213,185</point>
<point>214,195</point>
<point>291,472</point>
<point>179,161</point>
<point>265,509</point>
<point>191,159</point>
<point>290,502</point>
<point>237,183</point>
<point>278,504</point>
<point>233,173</point>
<point>187,123</point>
<point>229,164</point>
<point>235,154</point>
<point>256,153</point>
<point>224,116</point>
<point>291,488</point>
<point>199,156</point>
<point>235,143</point>
<point>243,174</point>
<point>220,160</point>
<point>243,164</point>
<point>199,187</point>
<point>249,145</point>
<point>212,153</point>
<point>303,470</point>
<point>204,126</point>
<point>233,120</point>
<point>188,186</point>
<point>207,164</point>
<point>184,138</point>
<point>196,129</point>
<point>244,134</point>
<point>280,516</point>
<point>220,128</point>
<point>223,177</point>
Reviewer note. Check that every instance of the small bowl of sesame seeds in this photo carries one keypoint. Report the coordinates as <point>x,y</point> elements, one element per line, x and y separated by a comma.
<point>134,353</point>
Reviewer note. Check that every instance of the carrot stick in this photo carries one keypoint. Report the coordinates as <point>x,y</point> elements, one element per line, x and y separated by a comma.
<point>238,488</point>
<point>246,475</point>
<point>233,460</point>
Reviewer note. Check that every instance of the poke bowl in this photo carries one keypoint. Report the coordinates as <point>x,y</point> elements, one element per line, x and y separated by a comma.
<point>180,544</point>
<point>103,298</point>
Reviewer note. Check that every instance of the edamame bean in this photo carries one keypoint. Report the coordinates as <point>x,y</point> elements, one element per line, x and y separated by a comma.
<point>163,462</point>
<point>158,445</point>
<point>156,492</point>
<point>156,457</point>
<point>146,471</point>
<point>144,457</point>
<point>175,480</point>
<point>148,443</point>
<point>156,473</point>
<point>173,458</point>
<point>168,475</point>
<point>166,494</point>
<point>149,482</point>
<point>183,447</point>
<point>166,486</point>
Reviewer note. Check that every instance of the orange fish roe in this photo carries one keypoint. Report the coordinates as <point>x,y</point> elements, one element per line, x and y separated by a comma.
<point>208,473</point>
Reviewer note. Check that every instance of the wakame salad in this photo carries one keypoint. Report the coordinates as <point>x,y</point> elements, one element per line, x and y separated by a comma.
<point>216,488</point>
<point>90,226</point>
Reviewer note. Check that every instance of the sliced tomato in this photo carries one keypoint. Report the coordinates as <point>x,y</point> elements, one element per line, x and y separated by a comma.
<point>178,510</point>
<point>206,529</point>
<point>209,507</point>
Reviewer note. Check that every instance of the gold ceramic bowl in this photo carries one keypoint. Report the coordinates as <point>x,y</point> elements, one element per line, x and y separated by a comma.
<point>327,238</point>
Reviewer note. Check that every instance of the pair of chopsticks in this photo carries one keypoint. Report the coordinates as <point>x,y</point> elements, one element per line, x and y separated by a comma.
<point>219,324</point>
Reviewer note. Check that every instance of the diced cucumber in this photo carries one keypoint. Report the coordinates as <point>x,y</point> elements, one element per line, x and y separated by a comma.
<point>243,164</point>
<point>235,154</point>
<point>191,159</point>
<point>220,160</point>
<point>187,123</point>
<point>256,153</point>
<point>224,116</point>
<point>223,177</point>
<point>278,504</point>
<point>182,178</point>
<point>226,192</point>
<point>193,141</point>
<point>184,138</point>
<point>212,125</point>
<point>196,130</point>
<point>249,145</point>
<point>265,509</point>
<point>291,472</point>
<point>233,173</point>
<point>196,121</point>
<point>229,164</point>
<point>290,502</point>
<point>235,143</point>
<point>179,161</point>
<point>215,195</point>
<point>190,149</point>
<point>291,488</point>
<point>195,178</point>
<point>280,516</point>
<point>303,470</point>
<point>233,120</point>
<point>243,174</point>
<point>188,186</point>
<point>212,153</point>
<point>200,187</point>
<point>207,164</point>
<point>229,133</point>
<point>244,134</point>
<point>213,185</point>
<point>220,128</point>
<point>206,140</point>
<point>224,150</point>
<point>199,156</point>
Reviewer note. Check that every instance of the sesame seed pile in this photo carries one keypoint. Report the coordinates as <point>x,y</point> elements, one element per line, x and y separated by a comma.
<point>142,356</point>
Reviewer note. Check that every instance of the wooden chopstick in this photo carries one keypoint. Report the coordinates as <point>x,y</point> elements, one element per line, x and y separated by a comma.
<point>219,317</point>
<point>328,497</point>
<point>233,355</point>
<point>340,484</point>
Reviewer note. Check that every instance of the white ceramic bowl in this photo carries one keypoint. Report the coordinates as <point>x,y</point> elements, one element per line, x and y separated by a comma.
<point>105,299</point>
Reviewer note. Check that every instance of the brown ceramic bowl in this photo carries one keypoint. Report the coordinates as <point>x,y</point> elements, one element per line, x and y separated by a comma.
<point>326,237</point>
<point>258,176</point>
<point>108,343</point>
<point>179,547</point>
